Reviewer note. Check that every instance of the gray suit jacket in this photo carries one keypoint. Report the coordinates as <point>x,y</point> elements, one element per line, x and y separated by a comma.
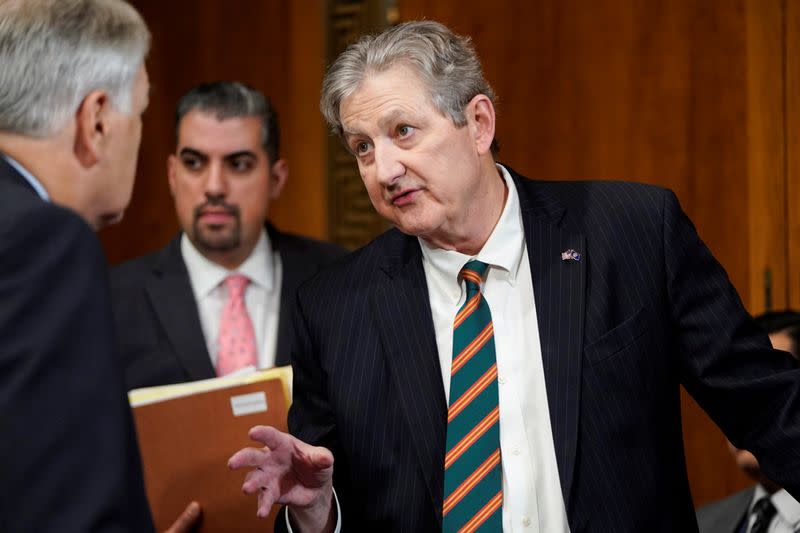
<point>725,515</point>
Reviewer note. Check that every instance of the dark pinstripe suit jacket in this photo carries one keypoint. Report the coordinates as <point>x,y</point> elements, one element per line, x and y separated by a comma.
<point>646,309</point>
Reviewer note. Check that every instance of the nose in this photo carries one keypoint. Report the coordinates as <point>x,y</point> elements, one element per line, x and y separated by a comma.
<point>215,183</point>
<point>388,164</point>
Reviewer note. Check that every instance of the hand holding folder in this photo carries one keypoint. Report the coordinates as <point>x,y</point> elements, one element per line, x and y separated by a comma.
<point>188,431</point>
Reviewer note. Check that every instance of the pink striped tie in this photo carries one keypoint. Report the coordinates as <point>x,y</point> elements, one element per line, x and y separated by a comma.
<point>237,340</point>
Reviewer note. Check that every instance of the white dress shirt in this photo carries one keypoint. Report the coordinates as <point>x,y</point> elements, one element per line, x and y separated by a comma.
<point>786,520</point>
<point>532,498</point>
<point>262,297</point>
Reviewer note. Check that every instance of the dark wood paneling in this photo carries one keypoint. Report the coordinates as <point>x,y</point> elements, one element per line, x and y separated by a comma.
<point>272,45</point>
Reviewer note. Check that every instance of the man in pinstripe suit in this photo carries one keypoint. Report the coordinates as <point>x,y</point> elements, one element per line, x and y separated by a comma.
<point>603,301</point>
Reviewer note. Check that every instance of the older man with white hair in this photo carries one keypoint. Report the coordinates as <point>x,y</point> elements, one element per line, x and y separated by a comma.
<point>73,87</point>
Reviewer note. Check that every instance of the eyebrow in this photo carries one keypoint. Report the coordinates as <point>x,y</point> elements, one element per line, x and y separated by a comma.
<point>383,122</point>
<point>233,155</point>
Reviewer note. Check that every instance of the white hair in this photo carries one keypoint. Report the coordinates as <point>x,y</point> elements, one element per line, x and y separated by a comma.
<point>53,53</point>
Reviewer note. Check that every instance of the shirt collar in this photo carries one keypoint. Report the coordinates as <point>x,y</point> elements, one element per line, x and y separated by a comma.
<point>787,507</point>
<point>36,184</point>
<point>503,249</point>
<point>206,275</point>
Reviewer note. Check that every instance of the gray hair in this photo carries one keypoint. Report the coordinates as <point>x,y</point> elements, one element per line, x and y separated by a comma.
<point>446,62</point>
<point>53,53</point>
<point>229,99</point>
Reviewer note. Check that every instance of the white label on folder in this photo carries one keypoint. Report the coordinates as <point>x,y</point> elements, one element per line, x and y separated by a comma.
<point>247,404</point>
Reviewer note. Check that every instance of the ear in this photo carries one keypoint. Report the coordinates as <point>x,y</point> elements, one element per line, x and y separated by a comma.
<point>91,128</point>
<point>279,174</point>
<point>481,121</point>
<point>172,168</point>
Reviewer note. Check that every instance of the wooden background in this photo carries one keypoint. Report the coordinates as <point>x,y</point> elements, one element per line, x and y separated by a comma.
<point>700,97</point>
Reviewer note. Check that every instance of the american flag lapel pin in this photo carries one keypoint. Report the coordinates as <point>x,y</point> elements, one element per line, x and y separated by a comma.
<point>570,255</point>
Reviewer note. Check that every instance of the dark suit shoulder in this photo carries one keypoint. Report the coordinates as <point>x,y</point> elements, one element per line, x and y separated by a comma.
<point>363,267</point>
<point>314,250</point>
<point>36,232</point>
<point>135,271</point>
<point>604,194</point>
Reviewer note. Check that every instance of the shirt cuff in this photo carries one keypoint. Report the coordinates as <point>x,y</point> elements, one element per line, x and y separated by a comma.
<point>338,515</point>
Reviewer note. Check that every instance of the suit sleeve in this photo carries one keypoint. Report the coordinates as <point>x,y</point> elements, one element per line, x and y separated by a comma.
<point>311,418</point>
<point>751,391</point>
<point>69,456</point>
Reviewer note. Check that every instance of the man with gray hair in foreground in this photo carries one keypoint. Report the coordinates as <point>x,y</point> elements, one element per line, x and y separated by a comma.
<point>510,356</point>
<point>73,87</point>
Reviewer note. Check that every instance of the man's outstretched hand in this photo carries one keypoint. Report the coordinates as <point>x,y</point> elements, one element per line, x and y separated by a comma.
<point>287,471</point>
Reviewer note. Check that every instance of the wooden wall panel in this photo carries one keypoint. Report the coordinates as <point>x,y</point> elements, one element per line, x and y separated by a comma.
<point>792,127</point>
<point>682,94</point>
<point>271,45</point>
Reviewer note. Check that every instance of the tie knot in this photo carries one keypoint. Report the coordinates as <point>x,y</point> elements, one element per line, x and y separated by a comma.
<point>236,284</point>
<point>764,511</point>
<point>473,273</point>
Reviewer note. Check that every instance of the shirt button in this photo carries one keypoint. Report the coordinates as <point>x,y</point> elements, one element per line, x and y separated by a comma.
<point>501,380</point>
<point>516,451</point>
<point>526,521</point>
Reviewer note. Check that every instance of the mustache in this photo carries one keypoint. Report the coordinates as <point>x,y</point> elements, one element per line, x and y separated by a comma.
<point>218,204</point>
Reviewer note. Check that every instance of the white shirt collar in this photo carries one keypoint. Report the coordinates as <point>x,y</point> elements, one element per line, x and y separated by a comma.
<point>503,249</point>
<point>788,508</point>
<point>206,275</point>
<point>36,184</point>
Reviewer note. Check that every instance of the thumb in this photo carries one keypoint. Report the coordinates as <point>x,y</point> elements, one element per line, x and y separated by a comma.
<point>320,457</point>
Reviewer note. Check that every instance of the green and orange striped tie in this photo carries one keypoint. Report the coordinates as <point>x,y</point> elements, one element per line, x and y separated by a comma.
<point>473,481</point>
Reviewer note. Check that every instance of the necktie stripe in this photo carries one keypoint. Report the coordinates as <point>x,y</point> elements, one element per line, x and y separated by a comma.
<point>459,449</point>
<point>467,310</point>
<point>483,337</point>
<point>471,275</point>
<point>478,387</point>
<point>470,483</point>
<point>487,511</point>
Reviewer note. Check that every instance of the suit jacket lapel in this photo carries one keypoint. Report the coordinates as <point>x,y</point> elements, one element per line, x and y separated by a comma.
<point>559,294</point>
<point>171,296</point>
<point>295,269</point>
<point>402,311</point>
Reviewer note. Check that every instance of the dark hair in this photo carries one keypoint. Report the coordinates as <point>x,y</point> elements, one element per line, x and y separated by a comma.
<point>230,99</point>
<point>786,321</point>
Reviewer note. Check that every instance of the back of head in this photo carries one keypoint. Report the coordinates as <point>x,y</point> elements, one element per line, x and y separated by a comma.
<point>55,52</point>
<point>231,99</point>
<point>446,63</point>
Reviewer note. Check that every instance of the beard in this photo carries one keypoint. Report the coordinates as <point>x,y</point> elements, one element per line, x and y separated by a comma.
<point>217,237</point>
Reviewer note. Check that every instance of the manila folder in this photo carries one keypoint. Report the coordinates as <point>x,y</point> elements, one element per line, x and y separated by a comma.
<point>186,434</point>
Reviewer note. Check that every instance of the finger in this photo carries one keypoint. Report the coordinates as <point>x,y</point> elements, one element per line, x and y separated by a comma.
<point>248,457</point>
<point>188,518</point>
<point>317,457</point>
<point>266,499</point>
<point>255,481</point>
<point>269,436</point>
<point>321,457</point>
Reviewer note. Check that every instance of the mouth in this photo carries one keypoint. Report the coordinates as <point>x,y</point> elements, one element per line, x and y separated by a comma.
<point>404,197</point>
<point>215,218</point>
<point>215,215</point>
